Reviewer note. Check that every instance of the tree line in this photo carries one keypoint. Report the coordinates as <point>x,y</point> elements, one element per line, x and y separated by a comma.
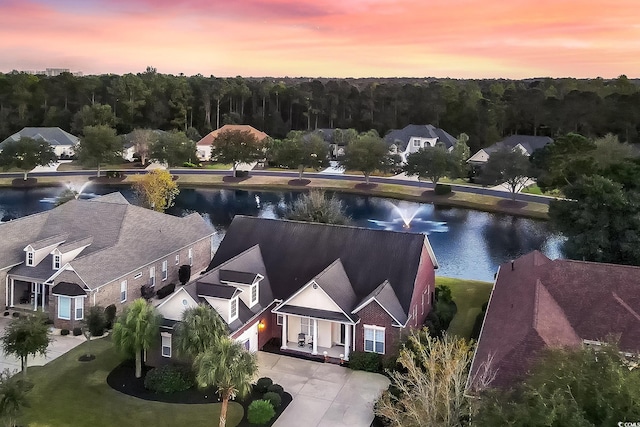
<point>486,110</point>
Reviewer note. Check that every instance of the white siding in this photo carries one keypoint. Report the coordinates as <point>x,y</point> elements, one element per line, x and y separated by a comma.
<point>250,334</point>
<point>314,298</point>
<point>173,308</point>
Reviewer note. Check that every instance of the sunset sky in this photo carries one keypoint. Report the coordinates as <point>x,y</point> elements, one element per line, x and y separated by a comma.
<point>328,38</point>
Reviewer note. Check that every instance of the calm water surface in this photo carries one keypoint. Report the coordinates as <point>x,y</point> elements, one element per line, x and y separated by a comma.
<point>468,244</point>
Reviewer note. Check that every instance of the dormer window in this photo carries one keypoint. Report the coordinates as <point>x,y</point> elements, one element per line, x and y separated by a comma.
<point>233,309</point>
<point>254,294</point>
<point>56,262</point>
<point>30,256</point>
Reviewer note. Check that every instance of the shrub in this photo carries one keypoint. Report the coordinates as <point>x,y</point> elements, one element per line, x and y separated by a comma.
<point>443,312</point>
<point>114,174</point>
<point>166,290</point>
<point>273,398</point>
<point>262,385</point>
<point>95,320</point>
<point>242,174</point>
<point>109,316</point>
<point>189,165</point>
<point>442,189</point>
<point>365,361</point>
<point>64,332</point>
<point>184,273</point>
<point>260,412</point>
<point>276,388</point>
<point>168,379</point>
<point>77,331</point>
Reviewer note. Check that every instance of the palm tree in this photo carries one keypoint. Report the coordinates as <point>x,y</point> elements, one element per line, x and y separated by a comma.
<point>136,330</point>
<point>230,368</point>
<point>201,327</point>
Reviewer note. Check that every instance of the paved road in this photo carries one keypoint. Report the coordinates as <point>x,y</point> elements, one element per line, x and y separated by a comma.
<point>354,178</point>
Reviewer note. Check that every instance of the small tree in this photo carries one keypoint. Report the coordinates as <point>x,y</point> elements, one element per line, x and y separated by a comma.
<point>100,144</point>
<point>26,336</point>
<point>201,327</point>
<point>136,330</point>
<point>93,324</point>
<point>173,148</point>
<point>301,152</point>
<point>368,154</point>
<point>13,397</point>
<point>142,140</point>
<point>460,154</point>
<point>510,166</point>
<point>26,154</point>
<point>230,368</point>
<point>235,147</point>
<point>93,115</point>
<point>316,207</point>
<point>430,163</point>
<point>156,190</point>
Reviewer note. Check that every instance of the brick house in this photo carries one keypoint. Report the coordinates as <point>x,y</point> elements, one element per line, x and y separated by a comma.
<point>95,252</point>
<point>538,303</point>
<point>312,288</point>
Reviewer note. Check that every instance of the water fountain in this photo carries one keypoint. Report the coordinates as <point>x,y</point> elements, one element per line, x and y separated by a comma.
<point>72,191</point>
<point>75,190</point>
<point>405,217</point>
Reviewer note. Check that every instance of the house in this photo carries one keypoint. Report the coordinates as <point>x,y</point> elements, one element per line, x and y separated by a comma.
<point>128,146</point>
<point>63,143</point>
<point>204,145</point>
<point>525,143</point>
<point>95,252</point>
<point>412,138</point>
<point>312,288</point>
<point>538,303</point>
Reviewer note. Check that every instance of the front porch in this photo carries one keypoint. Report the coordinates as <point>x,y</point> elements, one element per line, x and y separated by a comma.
<point>28,296</point>
<point>323,339</point>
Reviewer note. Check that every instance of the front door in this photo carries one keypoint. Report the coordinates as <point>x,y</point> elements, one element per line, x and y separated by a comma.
<point>343,328</point>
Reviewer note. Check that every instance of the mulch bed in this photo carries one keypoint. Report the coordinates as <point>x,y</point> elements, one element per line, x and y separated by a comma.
<point>299,182</point>
<point>364,186</point>
<point>123,379</point>
<point>234,179</point>
<point>24,183</point>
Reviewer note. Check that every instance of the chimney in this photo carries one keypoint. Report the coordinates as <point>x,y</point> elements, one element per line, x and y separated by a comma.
<point>513,265</point>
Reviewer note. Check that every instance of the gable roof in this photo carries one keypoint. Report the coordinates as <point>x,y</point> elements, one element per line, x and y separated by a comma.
<point>528,142</point>
<point>385,296</point>
<point>128,237</point>
<point>68,289</point>
<point>401,137</point>
<point>208,139</point>
<point>542,303</point>
<point>53,135</point>
<point>295,252</point>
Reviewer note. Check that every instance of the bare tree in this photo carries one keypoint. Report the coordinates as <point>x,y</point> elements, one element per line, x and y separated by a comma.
<point>142,140</point>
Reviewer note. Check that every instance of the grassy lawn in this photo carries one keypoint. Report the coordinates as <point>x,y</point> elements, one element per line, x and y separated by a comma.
<point>72,393</point>
<point>534,189</point>
<point>218,166</point>
<point>469,295</point>
<point>75,165</point>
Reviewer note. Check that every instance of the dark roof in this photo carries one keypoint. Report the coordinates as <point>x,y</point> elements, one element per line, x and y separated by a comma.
<point>53,135</point>
<point>387,298</point>
<point>548,304</point>
<point>216,290</point>
<point>313,312</point>
<point>402,136</point>
<point>240,277</point>
<point>295,252</point>
<point>528,142</point>
<point>68,289</point>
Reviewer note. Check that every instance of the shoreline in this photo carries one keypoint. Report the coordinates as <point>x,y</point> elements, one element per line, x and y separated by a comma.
<point>455,199</point>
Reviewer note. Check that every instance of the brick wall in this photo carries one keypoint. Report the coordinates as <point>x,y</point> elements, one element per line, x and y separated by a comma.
<point>373,314</point>
<point>423,285</point>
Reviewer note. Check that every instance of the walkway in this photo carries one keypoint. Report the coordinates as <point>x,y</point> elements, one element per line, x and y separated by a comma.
<point>324,395</point>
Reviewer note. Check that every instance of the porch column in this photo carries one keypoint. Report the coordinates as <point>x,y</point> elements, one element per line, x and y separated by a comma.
<point>347,341</point>
<point>284,332</point>
<point>35,296</point>
<point>44,294</point>
<point>13,291</point>
<point>315,336</point>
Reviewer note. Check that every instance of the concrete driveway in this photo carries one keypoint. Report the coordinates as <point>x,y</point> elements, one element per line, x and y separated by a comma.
<point>324,395</point>
<point>58,346</point>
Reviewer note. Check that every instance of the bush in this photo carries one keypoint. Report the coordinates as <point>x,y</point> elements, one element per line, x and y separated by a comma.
<point>260,412</point>
<point>263,384</point>
<point>365,361</point>
<point>95,320</point>
<point>109,316</point>
<point>114,174</point>
<point>166,290</point>
<point>273,398</point>
<point>77,331</point>
<point>168,379</point>
<point>242,174</point>
<point>189,165</point>
<point>276,388</point>
<point>442,189</point>
<point>443,312</point>
<point>64,332</point>
<point>184,273</point>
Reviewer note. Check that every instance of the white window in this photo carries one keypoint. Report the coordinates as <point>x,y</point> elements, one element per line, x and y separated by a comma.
<point>177,259</point>
<point>422,309</point>
<point>279,319</point>
<point>56,262</point>
<point>233,310</point>
<point>138,275</point>
<point>306,326</point>
<point>152,276</point>
<point>254,294</point>
<point>416,143</point>
<point>123,291</point>
<point>190,256</point>
<point>165,270</point>
<point>64,308</point>
<point>166,345</point>
<point>374,339</point>
<point>30,258</point>
<point>79,302</point>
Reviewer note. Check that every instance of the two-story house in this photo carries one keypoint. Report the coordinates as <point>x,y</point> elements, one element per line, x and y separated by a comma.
<point>412,138</point>
<point>95,252</point>
<point>312,288</point>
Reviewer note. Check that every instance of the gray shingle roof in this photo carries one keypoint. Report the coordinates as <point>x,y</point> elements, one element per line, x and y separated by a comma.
<point>528,142</point>
<point>240,277</point>
<point>401,137</point>
<point>216,290</point>
<point>68,289</point>
<point>386,297</point>
<point>53,135</point>
<point>335,282</point>
<point>314,312</point>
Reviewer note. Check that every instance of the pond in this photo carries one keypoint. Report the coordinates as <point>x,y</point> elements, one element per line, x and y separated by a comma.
<point>468,244</point>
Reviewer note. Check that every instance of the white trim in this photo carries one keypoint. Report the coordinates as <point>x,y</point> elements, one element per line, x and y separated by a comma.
<point>473,159</point>
<point>173,295</point>
<point>152,277</point>
<point>126,286</point>
<point>312,282</point>
<point>75,306</point>
<point>165,270</point>
<point>138,275</point>
<point>432,254</point>
<point>163,336</point>
<point>253,287</point>
<point>29,261</point>
<point>190,255</point>
<point>68,317</point>
<point>279,319</point>
<point>367,302</point>
<point>177,259</point>
<point>364,338</point>
<point>233,302</point>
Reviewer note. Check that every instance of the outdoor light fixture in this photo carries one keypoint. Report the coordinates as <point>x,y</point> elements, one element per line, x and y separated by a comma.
<point>261,325</point>
<point>326,357</point>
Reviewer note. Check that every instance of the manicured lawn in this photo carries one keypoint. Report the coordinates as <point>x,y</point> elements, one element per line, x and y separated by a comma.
<point>75,165</point>
<point>469,295</point>
<point>72,393</point>
<point>218,166</point>
<point>534,189</point>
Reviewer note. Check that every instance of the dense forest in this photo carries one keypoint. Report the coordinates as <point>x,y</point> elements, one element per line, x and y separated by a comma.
<point>486,110</point>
